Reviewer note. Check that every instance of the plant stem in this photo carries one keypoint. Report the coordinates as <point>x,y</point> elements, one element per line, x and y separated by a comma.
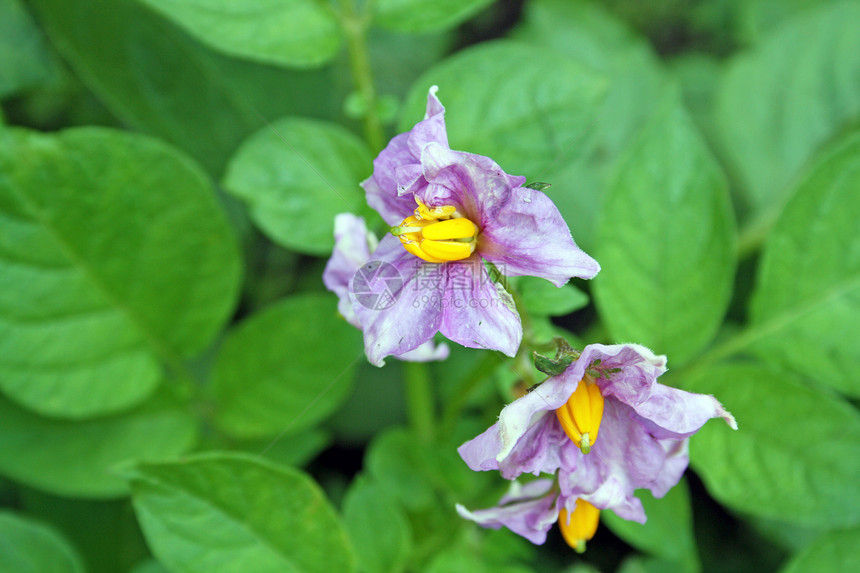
<point>420,404</point>
<point>355,27</point>
<point>466,386</point>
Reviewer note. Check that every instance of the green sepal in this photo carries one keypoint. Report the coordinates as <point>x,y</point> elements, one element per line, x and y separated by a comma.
<point>564,355</point>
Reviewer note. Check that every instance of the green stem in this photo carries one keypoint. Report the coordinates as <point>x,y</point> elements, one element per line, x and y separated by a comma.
<point>523,360</point>
<point>466,386</point>
<point>355,27</point>
<point>420,404</point>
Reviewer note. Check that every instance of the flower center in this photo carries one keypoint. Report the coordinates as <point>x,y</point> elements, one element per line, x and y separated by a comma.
<point>580,416</point>
<point>437,234</point>
<point>579,526</point>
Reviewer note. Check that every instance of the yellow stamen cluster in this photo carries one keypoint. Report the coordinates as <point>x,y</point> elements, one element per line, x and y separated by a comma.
<point>579,526</point>
<point>437,234</point>
<point>580,416</point>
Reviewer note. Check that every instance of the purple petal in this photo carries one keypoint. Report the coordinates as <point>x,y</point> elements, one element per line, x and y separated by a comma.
<point>529,510</point>
<point>400,322</point>
<point>476,312</point>
<point>527,438</point>
<point>672,413</point>
<point>474,183</point>
<point>625,457</point>
<point>528,236</point>
<point>639,370</point>
<point>432,128</point>
<point>677,460</point>
<point>352,246</point>
<point>542,449</point>
<point>427,352</point>
<point>381,187</point>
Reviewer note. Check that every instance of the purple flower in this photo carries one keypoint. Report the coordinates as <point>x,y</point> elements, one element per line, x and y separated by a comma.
<point>353,244</point>
<point>604,425</point>
<point>450,211</point>
<point>531,510</point>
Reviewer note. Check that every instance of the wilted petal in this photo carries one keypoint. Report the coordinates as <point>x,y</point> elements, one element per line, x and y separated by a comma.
<point>476,312</point>
<point>528,236</point>
<point>529,510</point>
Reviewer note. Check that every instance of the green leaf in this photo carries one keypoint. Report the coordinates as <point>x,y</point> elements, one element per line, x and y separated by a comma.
<point>378,527</point>
<point>667,241</point>
<point>30,547</point>
<point>754,18</point>
<point>807,299</point>
<point>104,532</point>
<point>24,59</point>
<point>416,16</point>
<point>794,457</point>
<point>78,458</point>
<point>285,368</point>
<point>149,566</point>
<point>297,449</point>
<point>114,257</point>
<point>806,81</point>
<point>415,471</point>
<point>834,551</point>
<point>588,34</point>
<point>526,121</point>
<point>641,564</point>
<point>295,33</point>
<point>237,513</point>
<point>296,175</point>
<point>668,533</point>
<point>542,298</point>
<point>158,79</point>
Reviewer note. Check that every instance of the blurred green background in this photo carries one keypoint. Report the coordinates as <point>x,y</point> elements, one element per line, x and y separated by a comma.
<point>177,392</point>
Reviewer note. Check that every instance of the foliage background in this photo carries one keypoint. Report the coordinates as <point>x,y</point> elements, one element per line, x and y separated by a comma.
<point>177,392</point>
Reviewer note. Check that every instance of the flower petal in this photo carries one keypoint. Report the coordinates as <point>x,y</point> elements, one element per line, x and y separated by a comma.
<point>381,187</point>
<point>529,510</point>
<point>528,236</point>
<point>427,352</point>
<point>352,246</point>
<point>476,312</point>
<point>673,413</point>
<point>527,438</point>
<point>474,183</point>
<point>625,457</point>
<point>403,323</point>
<point>639,369</point>
<point>432,128</point>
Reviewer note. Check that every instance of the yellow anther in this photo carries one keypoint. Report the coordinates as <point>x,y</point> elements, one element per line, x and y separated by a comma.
<point>580,416</point>
<point>436,237</point>
<point>579,526</point>
<point>461,228</point>
<point>434,213</point>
